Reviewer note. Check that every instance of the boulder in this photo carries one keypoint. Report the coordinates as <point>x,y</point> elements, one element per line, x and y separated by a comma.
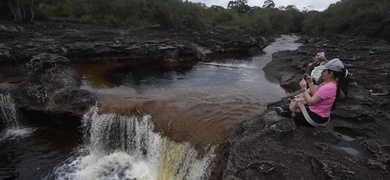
<point>52,90</point>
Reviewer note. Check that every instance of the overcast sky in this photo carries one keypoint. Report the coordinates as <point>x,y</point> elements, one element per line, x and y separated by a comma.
<point>319,5</point>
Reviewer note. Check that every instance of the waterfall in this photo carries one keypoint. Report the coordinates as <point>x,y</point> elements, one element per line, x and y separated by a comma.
<point>8,112</point>
<point>15,128</point>
<point>120,147</point>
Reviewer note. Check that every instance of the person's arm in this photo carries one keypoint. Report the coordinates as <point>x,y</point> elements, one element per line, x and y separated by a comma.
<point>313,88</point>
<point>308,80</point>
<point>309,95</point>
<point>311,100</point>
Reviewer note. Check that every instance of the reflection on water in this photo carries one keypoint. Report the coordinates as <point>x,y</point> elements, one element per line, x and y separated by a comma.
<point>194,106</point>
<point>349,150</point>
<point>353,150</point>
<point>200,103</point>
<point>347,144</point>
<point>27,152</point>
<point>14,79</point>
<point>30,153</point>
<point>349,134</point>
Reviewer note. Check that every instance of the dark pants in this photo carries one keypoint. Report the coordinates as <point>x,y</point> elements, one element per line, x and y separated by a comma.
<point>299,119</point>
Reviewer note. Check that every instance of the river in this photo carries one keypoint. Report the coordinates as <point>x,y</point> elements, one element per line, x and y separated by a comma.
<point>153,122</point>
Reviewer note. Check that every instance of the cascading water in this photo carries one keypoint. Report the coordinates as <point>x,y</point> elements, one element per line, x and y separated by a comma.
<point>8,112</point>
<point>120,147</point>
<point>12,120</point>
<point>197,105</point>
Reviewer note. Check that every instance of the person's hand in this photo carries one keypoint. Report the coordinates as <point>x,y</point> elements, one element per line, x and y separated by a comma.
<point>303,84</point>
<point>308,78</point>
<point>308,91</point>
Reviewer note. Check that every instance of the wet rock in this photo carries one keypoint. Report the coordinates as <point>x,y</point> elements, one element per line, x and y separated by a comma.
<point>82,43</point>
<point>52,90</point>
<point>320,152</point>
<point>281,69</point>
<point>265,147</point>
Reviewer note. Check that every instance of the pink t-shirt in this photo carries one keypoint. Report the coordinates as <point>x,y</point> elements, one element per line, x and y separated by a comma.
<point>327,93</point>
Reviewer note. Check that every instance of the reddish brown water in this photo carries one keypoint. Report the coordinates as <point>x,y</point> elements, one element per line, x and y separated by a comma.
<point>198,104</point>
<point>14,79</point>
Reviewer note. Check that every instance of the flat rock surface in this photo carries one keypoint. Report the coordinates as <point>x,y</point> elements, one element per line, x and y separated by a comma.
<point>354,145</point>
<point>84,42</point>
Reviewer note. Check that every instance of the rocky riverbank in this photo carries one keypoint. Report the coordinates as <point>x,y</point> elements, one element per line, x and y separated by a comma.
<point>41,53</point>
<point>355,145</point>
<point>91,43</point>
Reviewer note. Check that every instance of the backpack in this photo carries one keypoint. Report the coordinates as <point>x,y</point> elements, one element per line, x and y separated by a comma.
<point>347,76</point>
<point>318,79</point>
<point>316,75</point>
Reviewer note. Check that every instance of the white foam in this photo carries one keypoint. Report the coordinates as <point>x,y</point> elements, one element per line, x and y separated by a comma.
<point>12,133</point>
<point>117,165</point>
<point>119,147</point>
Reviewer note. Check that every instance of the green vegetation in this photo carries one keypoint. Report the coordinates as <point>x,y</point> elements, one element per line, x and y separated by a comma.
<point>345,15</point>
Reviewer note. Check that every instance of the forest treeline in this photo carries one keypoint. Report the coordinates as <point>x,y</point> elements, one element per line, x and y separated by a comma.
<point>345,15</point>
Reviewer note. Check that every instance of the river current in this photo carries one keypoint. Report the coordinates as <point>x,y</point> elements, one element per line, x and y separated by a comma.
<point>153,123</point>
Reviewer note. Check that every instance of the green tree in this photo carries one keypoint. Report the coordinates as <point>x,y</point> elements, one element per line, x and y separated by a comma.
<point>4,9</point>
<point>313,23</point>
<point>239,5</point>
<point>269,4</point>
<point>383,8</point>
<point>22,10</point>
<point>74,8</point>
<point>345,15</point>
<point>262,19</point>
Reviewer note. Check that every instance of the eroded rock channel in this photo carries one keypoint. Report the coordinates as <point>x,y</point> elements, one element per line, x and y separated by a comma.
<point>355,145</point>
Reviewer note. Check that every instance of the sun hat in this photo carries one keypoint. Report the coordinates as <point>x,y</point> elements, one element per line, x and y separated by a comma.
<point>334,65</point>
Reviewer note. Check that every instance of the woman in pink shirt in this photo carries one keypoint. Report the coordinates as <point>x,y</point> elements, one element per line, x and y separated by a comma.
<point>321,99</point>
